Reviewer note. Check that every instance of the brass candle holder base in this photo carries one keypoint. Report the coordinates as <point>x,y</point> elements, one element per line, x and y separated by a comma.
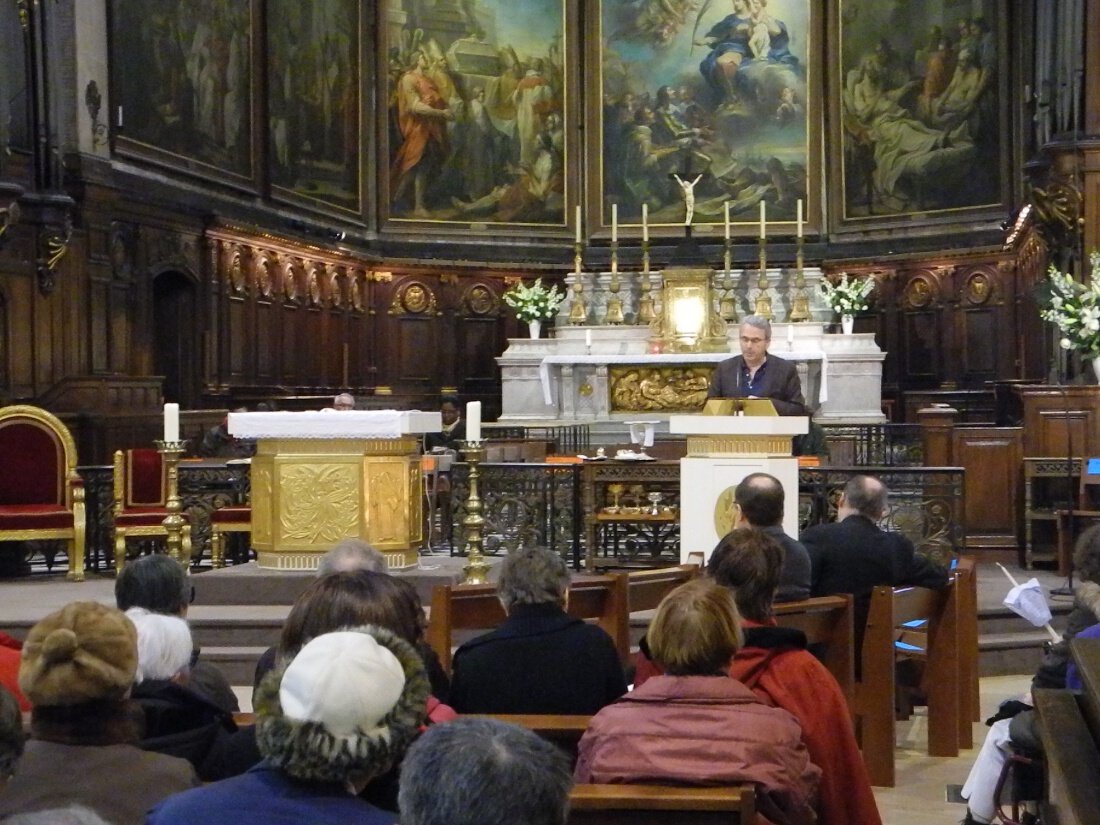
<point>477,569</point>
<point>174,522</point>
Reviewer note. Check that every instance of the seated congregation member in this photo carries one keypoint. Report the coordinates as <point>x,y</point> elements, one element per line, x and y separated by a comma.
<point>78,668</point>
<point>1014,727</point>
<point>340,713</point>
<point>697,725</point>
<point>454,428</point>
<point>177,721</point>
<point>761,499</point>
<point>11,735</point>
<point>160,584</point>
<point>540,660</point>
<point>483,772</point>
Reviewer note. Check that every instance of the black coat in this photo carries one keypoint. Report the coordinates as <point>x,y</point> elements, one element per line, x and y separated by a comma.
<point>776,379</point>
<point>179,722</point>
<point>540,660</point>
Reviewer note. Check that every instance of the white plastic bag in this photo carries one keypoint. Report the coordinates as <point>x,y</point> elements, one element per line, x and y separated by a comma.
<point>1027,600</point>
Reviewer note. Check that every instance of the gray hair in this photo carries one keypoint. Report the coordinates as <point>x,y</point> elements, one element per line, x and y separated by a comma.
<point>867,496</point>
<point>164,644</point>
<point>11,734</point>
<point>72,815</point>
<point>483,772</point>
<point>760,322</point>
<point>351,554</point>
<point>1086,554</point>
<point>532,575</point>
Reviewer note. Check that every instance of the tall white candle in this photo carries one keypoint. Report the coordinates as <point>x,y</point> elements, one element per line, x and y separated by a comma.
<point>727,209</point>
<point>473,421</point>
<point>614,222</point>
<point>171,422</point>
<point>645,223</point>
<point>578,219</point>
<point>799,219</point>
<point>790,334</point>
<point>763,220</point>
<point>588,337</point>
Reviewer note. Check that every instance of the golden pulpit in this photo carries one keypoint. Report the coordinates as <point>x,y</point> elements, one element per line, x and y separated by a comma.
<point>320,477</point>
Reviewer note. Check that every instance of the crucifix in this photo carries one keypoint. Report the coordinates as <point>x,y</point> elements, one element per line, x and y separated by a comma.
<point>686,180</point>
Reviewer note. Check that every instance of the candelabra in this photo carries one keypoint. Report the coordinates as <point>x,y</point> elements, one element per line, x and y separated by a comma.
<point>646,313</point>
<point>727,307</point>
<point>174,522</point>
<point>763,300</point>
<point>800,306</point>
<point>578,311</point>
<point>476,569</point>
<point>614,314</point>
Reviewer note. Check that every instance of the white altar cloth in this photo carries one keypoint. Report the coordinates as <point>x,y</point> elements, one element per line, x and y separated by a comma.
<point>334,424</point>
<point>671,359</point>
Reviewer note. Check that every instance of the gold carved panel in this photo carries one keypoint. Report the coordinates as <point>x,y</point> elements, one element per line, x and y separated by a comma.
<point>664,389</point>
<point>413,299</point>
<point>261,475</point>
<point>317,503</point>
<point>386,501</point>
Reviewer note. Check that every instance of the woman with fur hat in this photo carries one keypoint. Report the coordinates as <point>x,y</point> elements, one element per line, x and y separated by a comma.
<point>342,712</point>
<point>77,670</point>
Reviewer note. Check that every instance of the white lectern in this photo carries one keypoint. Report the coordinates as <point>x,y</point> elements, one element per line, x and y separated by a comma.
<point>721,451</point>
<point>319,477</point>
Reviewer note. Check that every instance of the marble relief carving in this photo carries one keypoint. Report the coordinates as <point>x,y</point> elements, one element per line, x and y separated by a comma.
<point>666,389</point>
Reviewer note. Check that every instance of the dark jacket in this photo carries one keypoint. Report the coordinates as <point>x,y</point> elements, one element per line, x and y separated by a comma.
<point>796,575</point>
<point>776,379</point>
<point>1085,613</point>
<point>180,722</point>
<point>540,660</point>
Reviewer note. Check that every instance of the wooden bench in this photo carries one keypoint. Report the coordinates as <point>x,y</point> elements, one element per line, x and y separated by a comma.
<point>602,599</point>
<point>890,610</point>
<point>563,730</point>
<point>966,593</point>
<point>827,623</point>
<point>646,588</point>
<point>661,805</point>
<point>1069,727</point>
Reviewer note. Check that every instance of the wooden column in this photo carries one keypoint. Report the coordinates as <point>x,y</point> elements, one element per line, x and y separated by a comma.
<point>936,425</point>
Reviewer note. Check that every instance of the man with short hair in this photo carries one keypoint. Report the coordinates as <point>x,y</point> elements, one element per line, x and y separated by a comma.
<point>760,498</point>
<point>540,660</point>
<point>351,554</point>
<point>343,402</point>
<point>756,373</point>
<point>472,771</point>
<point>159,584</point>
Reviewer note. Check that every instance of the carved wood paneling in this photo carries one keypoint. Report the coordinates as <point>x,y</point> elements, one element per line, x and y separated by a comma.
<point>992,510</point>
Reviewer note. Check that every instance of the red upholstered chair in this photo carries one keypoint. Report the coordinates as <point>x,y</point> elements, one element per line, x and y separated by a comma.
<point>41,496</point>
<point>235,518</point>
<point>141,498</point>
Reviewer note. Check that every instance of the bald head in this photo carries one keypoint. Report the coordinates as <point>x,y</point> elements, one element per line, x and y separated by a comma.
<point>760,497</point>
<point>865,496</point>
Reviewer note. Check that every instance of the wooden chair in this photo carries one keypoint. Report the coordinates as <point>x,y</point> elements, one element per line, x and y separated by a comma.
<point>476,607</point>
<point>140,505</point>
<point>661,805</point>
<point>1072,757</point>
<point>646,588</point>
<point>1071,522</point>
<point>41,495</point>
<point>890,610</point>
<point>827,623</point>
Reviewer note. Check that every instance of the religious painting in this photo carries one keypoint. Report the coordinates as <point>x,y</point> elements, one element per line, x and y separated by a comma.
<point>918,118</point>
<point>315,101</point>
<point>478,116</point>
<point>181,80</point>
<point>708,102</point>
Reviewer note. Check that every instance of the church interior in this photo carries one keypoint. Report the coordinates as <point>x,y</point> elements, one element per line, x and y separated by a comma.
<point>222,224</point>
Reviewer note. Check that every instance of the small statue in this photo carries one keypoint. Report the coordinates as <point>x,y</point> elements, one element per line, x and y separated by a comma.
<point>689,196</point>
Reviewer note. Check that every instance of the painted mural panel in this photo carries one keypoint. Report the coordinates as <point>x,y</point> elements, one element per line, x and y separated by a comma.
<point>315,100</point>
<point>477,115</point>
<point>720,88</point>
<point>919,107</point>
<point>181,73</point>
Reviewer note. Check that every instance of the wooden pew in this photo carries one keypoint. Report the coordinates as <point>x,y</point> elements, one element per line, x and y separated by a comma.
<point>563,730</point>
<point>602,599</point>
<point>661,805</point>
<point>827,623</point>
<point>646,588</point>
<point>890,609</point>
<point>966,593</point>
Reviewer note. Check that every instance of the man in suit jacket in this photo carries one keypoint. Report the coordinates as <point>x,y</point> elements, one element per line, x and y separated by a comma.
<point>760,498</point>
<point>757,374</point>
<point>854,555</point>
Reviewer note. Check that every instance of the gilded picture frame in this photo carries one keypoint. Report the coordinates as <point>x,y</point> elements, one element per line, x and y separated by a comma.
<point>729,90</point>
<point>182,85</point>
<point>477,131</point>
<point>918,113</point>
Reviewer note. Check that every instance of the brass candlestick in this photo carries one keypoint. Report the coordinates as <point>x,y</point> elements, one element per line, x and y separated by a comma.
<point>646,313</point>
<point>800,307</point>
<point>476,569</point>
<point>763,300</point>
<point>578,311</point>
<point>174,522</point>
<point>614,314</point>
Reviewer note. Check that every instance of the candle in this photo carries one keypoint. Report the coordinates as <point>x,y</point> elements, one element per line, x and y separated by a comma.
<point>588,337</point>
<point>727,206</point>
<point>645,223</point>
<point>578,218</point>
<point>763,220</point>
<point>799,220</point>
<point>171,422</point>
<point>473,421</point>
<point>614,222</point>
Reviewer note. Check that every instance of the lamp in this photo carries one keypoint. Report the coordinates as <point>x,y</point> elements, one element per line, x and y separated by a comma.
<point>688,322</point>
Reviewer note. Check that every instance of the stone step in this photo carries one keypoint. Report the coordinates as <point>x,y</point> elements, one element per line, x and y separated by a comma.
<point>1005,654</point>
<point>237,663</point>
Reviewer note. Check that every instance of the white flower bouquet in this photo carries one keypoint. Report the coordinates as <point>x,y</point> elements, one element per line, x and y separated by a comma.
<point>847,297</point>
<point>1075,309</point>
<point>535,302</point>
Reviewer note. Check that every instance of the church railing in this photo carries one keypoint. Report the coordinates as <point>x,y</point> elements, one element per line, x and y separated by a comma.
<point>886,445</point>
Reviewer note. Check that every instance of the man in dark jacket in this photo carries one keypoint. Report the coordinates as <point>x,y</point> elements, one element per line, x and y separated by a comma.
<point>761,499</point>
<point>756,373</point>
<point>541,660</point>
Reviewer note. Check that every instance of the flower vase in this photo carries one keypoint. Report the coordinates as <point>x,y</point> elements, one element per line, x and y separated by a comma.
<point>1096,368</point>
<point>535,328</point>
<point>846,323</point>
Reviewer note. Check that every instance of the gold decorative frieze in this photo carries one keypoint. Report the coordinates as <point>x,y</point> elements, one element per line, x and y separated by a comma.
<point>414,298</point>
<point>739,445</point>
<point>262,500</point>
<point>480,300</point>
<point>663,389</point>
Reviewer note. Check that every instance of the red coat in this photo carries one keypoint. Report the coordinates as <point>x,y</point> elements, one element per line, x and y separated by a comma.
<point>776,666</point>
<point>9,668</point>
<point>702,730</point>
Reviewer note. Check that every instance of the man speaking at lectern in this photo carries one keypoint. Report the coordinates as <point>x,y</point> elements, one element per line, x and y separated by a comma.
<point>757,374</point>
